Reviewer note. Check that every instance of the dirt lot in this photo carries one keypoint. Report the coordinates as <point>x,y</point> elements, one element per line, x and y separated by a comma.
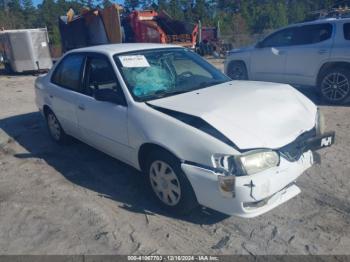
<point>76,200</point>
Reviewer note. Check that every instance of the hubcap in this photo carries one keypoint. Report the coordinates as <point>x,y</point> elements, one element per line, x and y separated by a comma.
<point>54,126</point>
<point>165,183</point>
<point>335,86</point>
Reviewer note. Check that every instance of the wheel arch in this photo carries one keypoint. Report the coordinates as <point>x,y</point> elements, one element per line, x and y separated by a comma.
<point>328,66</point>
<point>238,60</point>
<point>46,109</point>
<point>145,150</point>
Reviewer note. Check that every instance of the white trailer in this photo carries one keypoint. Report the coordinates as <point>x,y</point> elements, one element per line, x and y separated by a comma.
<point>25,50</point>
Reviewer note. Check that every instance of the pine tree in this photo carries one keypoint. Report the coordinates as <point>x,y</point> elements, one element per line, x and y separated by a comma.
<point>132,4</point>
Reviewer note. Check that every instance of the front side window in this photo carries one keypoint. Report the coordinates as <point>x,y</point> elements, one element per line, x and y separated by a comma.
<point>284,37</point>
<point>153,74</point>
<point>346,30</point>
<point>68,72</point>
<point>100,75</point>
<point>311,34</point>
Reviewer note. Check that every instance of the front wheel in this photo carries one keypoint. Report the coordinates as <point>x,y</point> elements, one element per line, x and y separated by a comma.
<point>237,71</point>
<point>335,85</point>
<point>169,184</point>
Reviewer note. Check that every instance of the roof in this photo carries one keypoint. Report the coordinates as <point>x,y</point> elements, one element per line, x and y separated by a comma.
<point>113,49</point>
<point>323,20</point>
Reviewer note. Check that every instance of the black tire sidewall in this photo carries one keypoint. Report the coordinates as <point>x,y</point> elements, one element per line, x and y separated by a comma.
<point>343,71</point>
<point>235,64</point>
<point>8,68</point>
<point>62,139</point>
<point>188,199</point>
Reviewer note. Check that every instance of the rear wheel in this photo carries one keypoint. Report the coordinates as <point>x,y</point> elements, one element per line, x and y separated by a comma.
<point>169,184</point>
<point>55,130</point>
<point>335,85</point>
<point>237,71</point>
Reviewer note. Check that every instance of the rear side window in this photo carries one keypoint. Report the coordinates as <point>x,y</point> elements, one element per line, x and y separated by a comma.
<point>68,72</point>
<point>311,34</point>
<point>346,29</point>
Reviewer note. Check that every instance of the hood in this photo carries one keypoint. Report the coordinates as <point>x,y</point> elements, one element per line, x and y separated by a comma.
<point>250,114</point>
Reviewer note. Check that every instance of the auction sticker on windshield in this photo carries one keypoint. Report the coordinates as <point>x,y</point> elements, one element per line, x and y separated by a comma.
<point>134,61</point>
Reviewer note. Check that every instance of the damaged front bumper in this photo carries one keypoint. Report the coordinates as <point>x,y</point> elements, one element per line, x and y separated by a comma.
<point>255,194</point>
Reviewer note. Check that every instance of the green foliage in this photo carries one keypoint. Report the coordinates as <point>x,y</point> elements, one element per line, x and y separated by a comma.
<point>236,17</point>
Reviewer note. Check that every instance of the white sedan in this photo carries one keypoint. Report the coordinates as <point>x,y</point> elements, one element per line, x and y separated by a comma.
<point>233,146</point>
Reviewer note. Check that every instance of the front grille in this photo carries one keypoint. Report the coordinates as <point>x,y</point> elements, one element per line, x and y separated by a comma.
<point>293,151</point>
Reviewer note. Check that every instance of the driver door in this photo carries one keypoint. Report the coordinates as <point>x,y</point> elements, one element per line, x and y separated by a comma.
<point>103,124</point>
<point>269,58</point>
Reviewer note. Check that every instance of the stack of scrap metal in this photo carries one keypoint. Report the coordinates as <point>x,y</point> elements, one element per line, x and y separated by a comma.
<point>91,27</point>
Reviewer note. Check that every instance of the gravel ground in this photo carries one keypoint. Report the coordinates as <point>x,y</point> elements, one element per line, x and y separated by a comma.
<point>76,200</point>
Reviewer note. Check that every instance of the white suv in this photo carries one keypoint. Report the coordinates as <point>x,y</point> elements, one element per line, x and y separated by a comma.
<point>315,53</point>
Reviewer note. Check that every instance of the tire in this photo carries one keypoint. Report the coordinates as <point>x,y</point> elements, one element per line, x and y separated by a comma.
<point>8,68</point>
<point>334,85</point>
<point>55,129</point>
<point>237,71</point>
<point>169,183</point>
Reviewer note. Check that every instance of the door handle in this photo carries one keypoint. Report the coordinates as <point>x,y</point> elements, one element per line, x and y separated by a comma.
<point>51,96</point>
<point>81,107</point>
<point>322,51</point>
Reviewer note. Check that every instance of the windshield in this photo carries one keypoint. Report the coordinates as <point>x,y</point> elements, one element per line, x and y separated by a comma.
<point>152,74</point>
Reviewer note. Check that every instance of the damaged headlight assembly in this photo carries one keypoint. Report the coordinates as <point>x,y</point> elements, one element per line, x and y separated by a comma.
<point>246,164</point>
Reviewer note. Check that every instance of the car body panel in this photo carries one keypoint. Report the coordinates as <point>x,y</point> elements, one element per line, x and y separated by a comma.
<point>245,112</point>
<point>251,114</point>
<point>274,70</point>
<point>272,185</point>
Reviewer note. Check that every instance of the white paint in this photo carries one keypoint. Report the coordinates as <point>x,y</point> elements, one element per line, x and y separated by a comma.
<point>251,114</point>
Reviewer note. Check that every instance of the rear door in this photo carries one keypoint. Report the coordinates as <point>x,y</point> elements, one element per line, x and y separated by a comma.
<point>103,124</point>
<point>311,48</point>
<point>268,59</point>
<point>65,85</point>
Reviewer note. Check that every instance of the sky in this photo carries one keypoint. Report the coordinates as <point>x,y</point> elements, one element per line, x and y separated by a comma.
<point>36,2</point>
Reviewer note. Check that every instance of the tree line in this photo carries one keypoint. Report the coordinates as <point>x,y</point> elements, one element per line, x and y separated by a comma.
<point>235,17</point>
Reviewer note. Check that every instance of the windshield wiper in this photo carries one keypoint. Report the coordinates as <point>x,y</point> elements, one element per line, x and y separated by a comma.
<point>170,92</point>
<point>206,84</point>
<point>163,93</point>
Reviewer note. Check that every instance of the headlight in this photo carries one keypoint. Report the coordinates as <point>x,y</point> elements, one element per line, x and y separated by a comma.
<point>257,161</point>
<point>246,164</point>
<point>320,125</point>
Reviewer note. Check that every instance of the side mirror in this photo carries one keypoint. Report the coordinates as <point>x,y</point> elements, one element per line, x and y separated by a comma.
<point>109,95</point>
